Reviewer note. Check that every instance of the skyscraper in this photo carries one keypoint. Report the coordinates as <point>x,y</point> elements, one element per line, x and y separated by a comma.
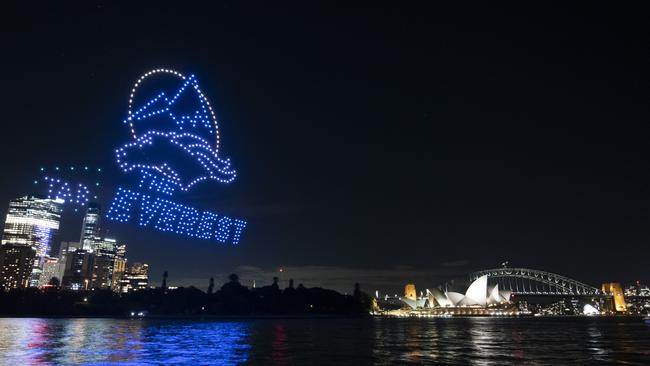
<point>79,270</point>
<point>32,221</point>
<point>119,267</point>
<point>105,252</point>
<point>90,226</point>
<point>65,252</point>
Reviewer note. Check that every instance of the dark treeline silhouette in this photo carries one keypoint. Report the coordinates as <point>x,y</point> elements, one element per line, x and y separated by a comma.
<point>233,299</point>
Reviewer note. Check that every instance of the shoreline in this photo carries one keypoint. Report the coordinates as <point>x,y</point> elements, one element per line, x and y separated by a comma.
<point>188,317</point>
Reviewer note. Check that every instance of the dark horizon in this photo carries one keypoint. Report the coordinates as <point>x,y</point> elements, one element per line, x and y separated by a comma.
<point>377,145</point>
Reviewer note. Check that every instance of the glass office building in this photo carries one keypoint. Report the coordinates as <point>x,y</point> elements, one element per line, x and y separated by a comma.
<point>32,221</point>
<point>90,226</point>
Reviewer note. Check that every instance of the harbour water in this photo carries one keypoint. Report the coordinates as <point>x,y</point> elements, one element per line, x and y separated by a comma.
<point>453,341</point>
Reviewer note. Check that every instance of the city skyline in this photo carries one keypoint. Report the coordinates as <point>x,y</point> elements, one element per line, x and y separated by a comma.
<point>30,258</point>
<point>417,153</point>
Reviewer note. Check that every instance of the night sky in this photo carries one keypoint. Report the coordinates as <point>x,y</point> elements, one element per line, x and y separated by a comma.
<point>374,144</point>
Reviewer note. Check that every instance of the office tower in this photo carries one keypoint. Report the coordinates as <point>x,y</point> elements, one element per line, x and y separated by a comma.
<point>135,278</point>
<point>65,251</point>
<point>105,252</point>
<point>90,226</point>
<point>16,263</point>
<point>120,251</point>
<point>32,221</point>
<point>79,270</point>
<point>50,270</point>
<point>119,267</point>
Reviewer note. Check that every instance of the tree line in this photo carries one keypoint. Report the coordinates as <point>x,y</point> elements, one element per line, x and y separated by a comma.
<point>232,299</point>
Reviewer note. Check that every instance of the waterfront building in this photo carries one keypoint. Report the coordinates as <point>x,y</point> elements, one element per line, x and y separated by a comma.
<point>33,221</point>
<point>136,277</point>
<point>90,226</point>
<point>618,298</point>
<point>16,263</point>
<point>478,294</point>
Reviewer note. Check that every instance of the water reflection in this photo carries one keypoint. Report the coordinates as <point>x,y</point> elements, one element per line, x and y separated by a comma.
<point>78,341</point>
<point>500,341</point>
<point>457,341</point>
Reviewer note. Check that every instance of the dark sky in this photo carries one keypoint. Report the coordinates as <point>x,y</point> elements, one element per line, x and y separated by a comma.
<point>380,144</point>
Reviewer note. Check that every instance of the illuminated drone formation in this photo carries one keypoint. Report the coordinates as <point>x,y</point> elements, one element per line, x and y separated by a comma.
<point>194,147</point>
<point>186,139</point>
<point>177,148</point>
<point>60,186</point>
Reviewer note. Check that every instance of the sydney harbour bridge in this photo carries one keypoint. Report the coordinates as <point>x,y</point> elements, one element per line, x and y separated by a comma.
<point>525,281</point>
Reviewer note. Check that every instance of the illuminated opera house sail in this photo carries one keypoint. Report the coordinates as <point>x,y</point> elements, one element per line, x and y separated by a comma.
<point>478,294</point>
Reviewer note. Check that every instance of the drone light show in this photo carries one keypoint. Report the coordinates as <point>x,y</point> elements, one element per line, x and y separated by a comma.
<point>175,146</point>
<point>72,185</point>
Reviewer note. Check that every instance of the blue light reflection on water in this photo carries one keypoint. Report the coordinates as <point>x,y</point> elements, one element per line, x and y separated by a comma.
<point>108,341</point>
<point>456,341</point>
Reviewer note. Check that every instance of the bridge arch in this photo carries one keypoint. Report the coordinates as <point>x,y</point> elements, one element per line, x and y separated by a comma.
<point>525,281</point>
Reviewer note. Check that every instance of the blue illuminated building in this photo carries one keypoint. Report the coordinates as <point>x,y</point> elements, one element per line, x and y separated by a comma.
<point>32,221</point>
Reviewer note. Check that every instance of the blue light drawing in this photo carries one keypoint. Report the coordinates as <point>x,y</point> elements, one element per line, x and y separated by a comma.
<point>160,175</point>
<point>180,158</point>
<point>178,148</point>
<point>73,185</point>
<point>61,190</point>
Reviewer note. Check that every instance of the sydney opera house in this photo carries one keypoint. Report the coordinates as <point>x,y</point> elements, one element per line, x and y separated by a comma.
<point>479,299</point>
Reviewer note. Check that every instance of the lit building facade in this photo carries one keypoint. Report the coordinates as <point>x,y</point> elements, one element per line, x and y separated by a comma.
<point>65,250</point>
<point>618,298</point>
<point>135,278</point>
<point>119,267</point>
<point>50,270</point>
<point>79,270</point>
<point>101,267</point>
<point>105,252</point>
<point>33,221</point>
<point>478,295</point>
<point>90,226</point>
<point>16,263</point>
